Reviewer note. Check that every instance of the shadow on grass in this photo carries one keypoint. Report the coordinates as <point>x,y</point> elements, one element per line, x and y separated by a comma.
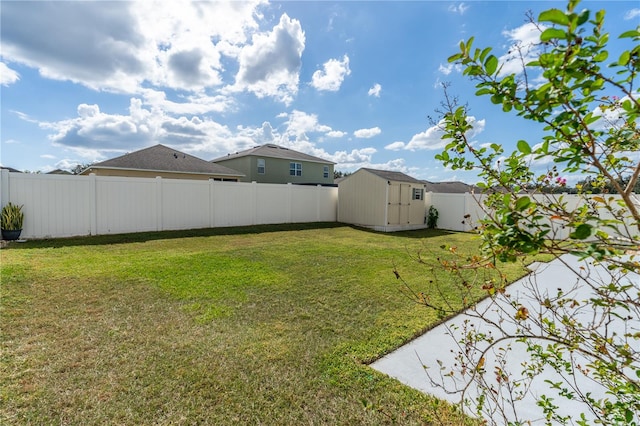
<point>140,237</point>
<point>415,233</point>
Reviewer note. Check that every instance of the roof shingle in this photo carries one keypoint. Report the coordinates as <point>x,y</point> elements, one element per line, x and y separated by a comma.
<point>395,176</point>
<point>275,151</point>
<point>165,159</point>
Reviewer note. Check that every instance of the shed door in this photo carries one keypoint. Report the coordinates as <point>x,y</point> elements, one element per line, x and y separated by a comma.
<point>399,204</point>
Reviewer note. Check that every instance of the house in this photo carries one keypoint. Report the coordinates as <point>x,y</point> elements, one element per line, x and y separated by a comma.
<point>59,172</point>
<point>382,200</point>
<point>10,169</point>
<point>276,164</point>
<point>164,162</point>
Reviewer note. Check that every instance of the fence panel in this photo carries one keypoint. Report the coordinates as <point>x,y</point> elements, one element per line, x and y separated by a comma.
<point>273,203</point>
<point>53,207</point>
<point>64,206</point>
<point>233,204</point>
<point>185,204</point>
<point>126,205</point>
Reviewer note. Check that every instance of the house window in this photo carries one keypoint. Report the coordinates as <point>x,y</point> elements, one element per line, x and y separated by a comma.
<point>261,167</point>
<point>325,172</point>
<point>295,169</point>
<point>418,194</point>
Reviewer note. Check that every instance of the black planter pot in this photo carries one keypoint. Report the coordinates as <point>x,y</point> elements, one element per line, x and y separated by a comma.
<point>11,234</point>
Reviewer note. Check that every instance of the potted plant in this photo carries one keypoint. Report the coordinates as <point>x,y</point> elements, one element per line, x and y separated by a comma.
<point>11,220</point>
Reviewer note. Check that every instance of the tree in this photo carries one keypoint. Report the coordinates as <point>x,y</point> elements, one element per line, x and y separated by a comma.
<point>588,105</point>
<point>338,174</point>
<point>79,168</point>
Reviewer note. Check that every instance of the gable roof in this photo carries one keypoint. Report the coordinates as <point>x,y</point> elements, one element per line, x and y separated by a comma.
<point>274,151</point>
<point>59,172</point>
<point>451,187</point>
<point>395,176</point>
<point>160,158</point>
<point>10,169</point>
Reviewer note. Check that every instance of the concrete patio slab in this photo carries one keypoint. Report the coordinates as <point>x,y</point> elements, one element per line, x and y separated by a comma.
<point>414,363</point>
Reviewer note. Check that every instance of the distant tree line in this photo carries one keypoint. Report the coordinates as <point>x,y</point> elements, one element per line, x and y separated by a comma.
<point>338,174</point>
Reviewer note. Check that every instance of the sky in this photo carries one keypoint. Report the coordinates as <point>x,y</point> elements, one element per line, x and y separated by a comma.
<point>353,82</point>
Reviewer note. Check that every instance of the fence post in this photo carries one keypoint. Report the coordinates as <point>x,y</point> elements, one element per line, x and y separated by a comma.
<point>5,196</point>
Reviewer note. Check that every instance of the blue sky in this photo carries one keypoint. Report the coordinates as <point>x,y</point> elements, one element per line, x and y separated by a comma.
<point>352,82</point>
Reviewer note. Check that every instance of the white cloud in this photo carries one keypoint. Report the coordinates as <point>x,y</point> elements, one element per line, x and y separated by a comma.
<point>375,90</point>
<point>270,65</point>
<point>395,146</point>
<point>100,133</point>
<point>367,133</point>
<point>336,134</point>
<point>199,103</point>
<point>355,156</point>
<point>300,123</point>
<point>127,47</point>
<point>431,138</point>
<point>460,8</point>
<point>524,47</point>
<point>7,75</point>
<point>631,14</point>
<point>449,68</point>
<point>94,135</point>
<point>332,75</point>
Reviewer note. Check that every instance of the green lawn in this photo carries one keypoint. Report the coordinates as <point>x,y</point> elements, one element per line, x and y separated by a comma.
<point>258,325</point>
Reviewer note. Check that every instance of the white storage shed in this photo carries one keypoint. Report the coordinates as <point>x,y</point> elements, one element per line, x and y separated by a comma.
<point>382,200</point>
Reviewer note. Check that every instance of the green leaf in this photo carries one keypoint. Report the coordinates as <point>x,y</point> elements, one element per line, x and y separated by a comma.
<point>583,17</point>
<point>484,53</point>
<point>555,16</point>
<point>630,34</point>
<point>628,415</point>
<point>524,147</point>
<point>581,232</point>
<point>552,33</point>
<point>624,58</point>
<point>601,56</point>
<point>523,203</point>
<point>491,64</point>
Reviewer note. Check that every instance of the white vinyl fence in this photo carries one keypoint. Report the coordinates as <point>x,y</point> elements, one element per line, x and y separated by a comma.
<point>462,212</point>
<point>65,206</point>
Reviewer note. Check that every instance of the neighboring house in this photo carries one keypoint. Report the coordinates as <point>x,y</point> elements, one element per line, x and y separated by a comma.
<point>10,169</point>
<point>59,172</point>
<point>276,164</point>
<point>450,187</point>
<point>382,200</point>
<point>164,162</point>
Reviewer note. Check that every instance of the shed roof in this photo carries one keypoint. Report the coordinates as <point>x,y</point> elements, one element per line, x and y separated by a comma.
<point>160,158</point>
<point>395,176</point>
<point>274,151</point>
<point>450,187</point>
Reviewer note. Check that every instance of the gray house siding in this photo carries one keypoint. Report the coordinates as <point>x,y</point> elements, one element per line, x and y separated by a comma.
<point>277,170</point>
<point>277,161</point>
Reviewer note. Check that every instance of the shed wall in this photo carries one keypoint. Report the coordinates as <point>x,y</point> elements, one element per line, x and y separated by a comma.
<point>362,200</point>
